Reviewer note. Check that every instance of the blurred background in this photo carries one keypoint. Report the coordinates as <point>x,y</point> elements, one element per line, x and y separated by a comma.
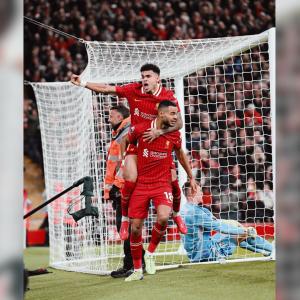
<point>11,153</point>
<point>49,64</point>
<point>288,141</point>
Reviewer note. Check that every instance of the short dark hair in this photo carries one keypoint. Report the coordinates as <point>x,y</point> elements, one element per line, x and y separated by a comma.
<point>123,110</point>
<point>166,103</point>
<point>150,67</point>
<point>185,187</point>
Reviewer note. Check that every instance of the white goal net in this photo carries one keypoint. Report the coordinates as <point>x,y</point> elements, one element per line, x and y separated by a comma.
<point>225,87</point>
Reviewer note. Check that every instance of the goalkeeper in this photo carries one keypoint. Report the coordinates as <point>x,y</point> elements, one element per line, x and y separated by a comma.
<point>201,246</point>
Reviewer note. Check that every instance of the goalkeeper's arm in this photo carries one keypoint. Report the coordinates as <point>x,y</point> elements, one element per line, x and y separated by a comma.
<point>96,87</point>
<point>209,222</point>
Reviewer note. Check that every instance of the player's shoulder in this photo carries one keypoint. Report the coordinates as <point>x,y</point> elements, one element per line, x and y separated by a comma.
<point>136,85</point>
<point>174,136</point>
<point>132,86</point>
<point>166,93</point>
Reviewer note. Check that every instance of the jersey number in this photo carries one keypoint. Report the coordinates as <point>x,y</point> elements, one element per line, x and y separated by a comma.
<point>169,196</point>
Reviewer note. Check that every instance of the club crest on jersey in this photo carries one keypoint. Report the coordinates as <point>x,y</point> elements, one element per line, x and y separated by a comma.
<point>136,112</point>
<point>167,144</point>
<point>145,153</point>
<point>156,106</point>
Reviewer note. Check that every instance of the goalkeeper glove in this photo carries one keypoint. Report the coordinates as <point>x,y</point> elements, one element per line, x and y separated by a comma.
<point>251,231</point>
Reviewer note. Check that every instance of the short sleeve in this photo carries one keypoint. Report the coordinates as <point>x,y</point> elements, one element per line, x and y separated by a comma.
<point>177,141</point>
<point>136,131</point>
<point>125,91</point>
<point>133,134</point>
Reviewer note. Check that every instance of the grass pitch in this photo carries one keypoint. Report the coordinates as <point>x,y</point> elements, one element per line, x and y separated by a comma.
<point>247,280</point>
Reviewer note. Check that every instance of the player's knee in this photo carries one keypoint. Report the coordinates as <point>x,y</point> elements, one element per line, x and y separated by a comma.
<point>163,220</point>
<point>136,229</point>
<point>130,176</point>
<point>173,174</point>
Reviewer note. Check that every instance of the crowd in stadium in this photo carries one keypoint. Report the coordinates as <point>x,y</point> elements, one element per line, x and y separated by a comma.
<point>229,138</point>
<point>54,58</point>
<point>233,165</point>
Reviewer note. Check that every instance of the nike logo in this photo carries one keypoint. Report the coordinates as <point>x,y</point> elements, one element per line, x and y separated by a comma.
<point>137,100</point>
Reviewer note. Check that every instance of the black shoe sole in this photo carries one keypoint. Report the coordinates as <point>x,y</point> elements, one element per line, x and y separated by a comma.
<point>118,275</point>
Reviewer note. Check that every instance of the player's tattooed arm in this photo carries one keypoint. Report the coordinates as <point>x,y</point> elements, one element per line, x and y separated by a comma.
<point>152,133</point>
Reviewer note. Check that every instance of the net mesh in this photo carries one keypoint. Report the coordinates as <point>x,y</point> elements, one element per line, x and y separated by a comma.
<point>227,113</point>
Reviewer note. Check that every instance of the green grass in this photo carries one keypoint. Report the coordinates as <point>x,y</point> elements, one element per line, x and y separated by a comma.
<point>248,280</point>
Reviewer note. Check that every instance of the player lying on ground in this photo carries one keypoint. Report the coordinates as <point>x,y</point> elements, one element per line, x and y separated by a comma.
<point>154,183</point>
<point>202,246</point>
<point>143,99</point>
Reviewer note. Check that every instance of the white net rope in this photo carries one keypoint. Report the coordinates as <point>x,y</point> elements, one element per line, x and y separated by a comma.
<point>227,106</point>
<point>117,62</point>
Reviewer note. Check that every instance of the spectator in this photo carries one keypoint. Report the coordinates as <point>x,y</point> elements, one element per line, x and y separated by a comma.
<point>227,106</point>
<point>138,21</point>
<point>267,197</point>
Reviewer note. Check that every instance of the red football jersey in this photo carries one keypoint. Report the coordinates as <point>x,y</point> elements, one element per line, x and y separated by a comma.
<point>143,106</point>
<point>154,160</point>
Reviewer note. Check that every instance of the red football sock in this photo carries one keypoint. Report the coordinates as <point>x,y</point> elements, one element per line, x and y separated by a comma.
<point>158,232</point>
<point>176,191</point>
<point>126,193</point>
<point>136,248</point>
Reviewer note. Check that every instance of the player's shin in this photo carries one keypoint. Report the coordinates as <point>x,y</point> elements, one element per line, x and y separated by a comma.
<point>126,193</point>
<point>176,196</point>
<point>158,232</point>
<point>136,247</point>
<point>176,207</point>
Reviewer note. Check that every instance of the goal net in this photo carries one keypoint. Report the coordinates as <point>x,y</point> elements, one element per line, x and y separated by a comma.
<point>225,87</point>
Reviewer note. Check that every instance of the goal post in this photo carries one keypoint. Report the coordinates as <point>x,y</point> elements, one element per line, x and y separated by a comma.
<point>225,88</point>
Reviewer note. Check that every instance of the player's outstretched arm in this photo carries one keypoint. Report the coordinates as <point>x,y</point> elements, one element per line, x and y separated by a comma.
<point>153,133</point>
<point>96,87</point>
<point>224,226</point>
<point>183,160</point>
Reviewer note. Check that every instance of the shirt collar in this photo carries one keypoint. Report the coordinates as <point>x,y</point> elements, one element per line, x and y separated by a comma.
<point>156,92</point>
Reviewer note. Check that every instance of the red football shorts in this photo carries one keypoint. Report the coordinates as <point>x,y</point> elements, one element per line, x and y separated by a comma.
<point>131,149</point>
<point>160,193</point>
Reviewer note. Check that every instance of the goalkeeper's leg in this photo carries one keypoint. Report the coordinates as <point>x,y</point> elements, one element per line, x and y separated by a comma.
<point>257,244</point>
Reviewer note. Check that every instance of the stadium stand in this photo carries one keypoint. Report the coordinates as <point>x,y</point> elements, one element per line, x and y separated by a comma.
<point>51,57</point>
